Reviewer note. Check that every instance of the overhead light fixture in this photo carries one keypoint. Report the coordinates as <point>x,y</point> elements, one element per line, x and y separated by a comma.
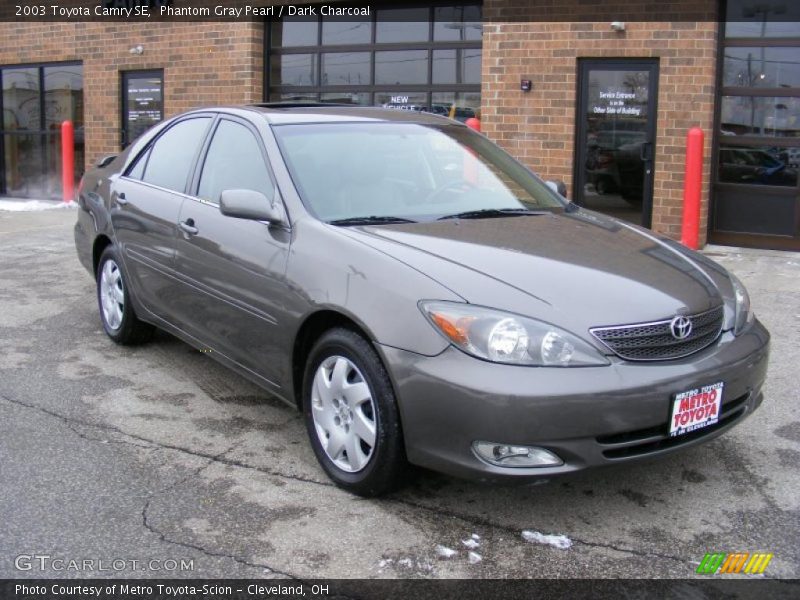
<point>137,50</point>
<point>618,26</point>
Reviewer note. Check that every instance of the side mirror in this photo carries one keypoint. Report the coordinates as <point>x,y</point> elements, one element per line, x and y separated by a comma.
<point>249,204</point>
<point>558,187</point>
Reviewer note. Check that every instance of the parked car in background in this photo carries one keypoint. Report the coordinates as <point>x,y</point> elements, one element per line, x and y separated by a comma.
<point>417,293</point>
<point>754,166</point>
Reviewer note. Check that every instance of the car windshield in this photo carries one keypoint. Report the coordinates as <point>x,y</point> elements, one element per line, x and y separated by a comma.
<point>407,171</point>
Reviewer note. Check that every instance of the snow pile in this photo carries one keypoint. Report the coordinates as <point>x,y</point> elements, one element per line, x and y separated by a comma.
<point>32,205</point>
<point>561,542</point>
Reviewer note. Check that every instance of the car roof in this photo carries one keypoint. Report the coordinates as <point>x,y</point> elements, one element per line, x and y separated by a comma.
<point>282,113</point>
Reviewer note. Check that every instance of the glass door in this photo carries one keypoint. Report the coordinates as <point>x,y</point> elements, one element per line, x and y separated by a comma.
<point>142,103</point>
<point>616,137</point>
<point>35,101</point>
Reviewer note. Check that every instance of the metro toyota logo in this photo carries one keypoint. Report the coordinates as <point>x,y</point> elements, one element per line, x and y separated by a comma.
<point>681,327</point>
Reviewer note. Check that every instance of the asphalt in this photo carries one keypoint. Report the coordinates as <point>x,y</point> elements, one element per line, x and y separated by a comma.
<point>158,453</point>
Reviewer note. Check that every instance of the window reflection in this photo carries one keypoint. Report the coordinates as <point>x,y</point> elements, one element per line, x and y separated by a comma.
<point>402,25</point>
<point>21,106</point>
<point>346,68</point>
<point>346,32</point>
<point>36,100</point>
<point>759,165</point>
<point>457,23</point>
<point>762,19</point>
<point>457,66</point>
<point>362,98</point>
<point>360,62</point>
<point>402,66</point>
<point>294,69</point>
<point>758,115</point>
<point>761,67</point>
<point>456,105</point>
<point>291,32</point>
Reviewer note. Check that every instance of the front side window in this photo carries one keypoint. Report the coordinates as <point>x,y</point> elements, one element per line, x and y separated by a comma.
<point>234,161</point>
<point>405,170</point>
<point>172,154</point>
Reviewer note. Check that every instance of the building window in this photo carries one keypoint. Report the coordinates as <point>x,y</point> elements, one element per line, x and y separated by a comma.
<point>35,100</point>
<point>417,58</point>
<point>757,154</point>
<point>142,103</point>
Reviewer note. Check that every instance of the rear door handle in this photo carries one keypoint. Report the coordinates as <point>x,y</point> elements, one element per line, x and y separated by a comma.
<point>121,199</point>
<point>187,226</point>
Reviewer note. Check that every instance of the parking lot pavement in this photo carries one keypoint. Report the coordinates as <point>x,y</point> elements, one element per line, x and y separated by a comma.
<point>158,453</point>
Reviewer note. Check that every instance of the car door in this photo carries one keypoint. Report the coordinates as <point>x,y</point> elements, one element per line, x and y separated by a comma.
<point>233,270</point>
<point>145,205</point>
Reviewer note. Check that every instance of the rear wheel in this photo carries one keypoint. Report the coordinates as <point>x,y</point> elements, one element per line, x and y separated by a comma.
<point>116,311</point>
<point>351,414</point>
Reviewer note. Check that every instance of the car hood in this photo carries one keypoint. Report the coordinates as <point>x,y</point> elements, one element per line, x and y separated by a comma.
<point>578,270</point>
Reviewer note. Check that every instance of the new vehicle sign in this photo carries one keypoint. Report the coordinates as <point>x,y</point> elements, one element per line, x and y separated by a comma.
<point>695,409</point>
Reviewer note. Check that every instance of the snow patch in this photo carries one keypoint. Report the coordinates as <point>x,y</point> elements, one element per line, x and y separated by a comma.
<point>33,205</point>
<point>474,558</point>
<point>445,552</point>
<point>561,542</point>
<point>475,536</point>
<point>471,543</point>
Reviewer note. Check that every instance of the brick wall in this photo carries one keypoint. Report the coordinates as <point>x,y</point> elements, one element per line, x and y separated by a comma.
<point>539,127</point>
<point>204,63</point>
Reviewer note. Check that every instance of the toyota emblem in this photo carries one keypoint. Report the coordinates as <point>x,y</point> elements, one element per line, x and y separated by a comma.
<point>681,327</point>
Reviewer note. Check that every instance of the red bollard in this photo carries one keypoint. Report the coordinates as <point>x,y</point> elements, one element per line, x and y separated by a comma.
<point>473,123</point>
<point>692,187</point>
<point>68,161</point>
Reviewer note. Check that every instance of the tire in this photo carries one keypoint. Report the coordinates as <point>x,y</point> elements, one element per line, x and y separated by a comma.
<point>338,420</point>
<point>113,299</point>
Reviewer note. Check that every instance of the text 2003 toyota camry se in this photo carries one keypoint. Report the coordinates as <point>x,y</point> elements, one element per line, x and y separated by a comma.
<point>419,294</point>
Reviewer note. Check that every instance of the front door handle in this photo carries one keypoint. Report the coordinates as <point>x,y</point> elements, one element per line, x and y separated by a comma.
<point>121,199</point>
<point>187,226</point>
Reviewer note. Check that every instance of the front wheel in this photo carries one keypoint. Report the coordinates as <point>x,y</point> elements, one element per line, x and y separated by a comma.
<point>116,311</point>
<point>351,414</point>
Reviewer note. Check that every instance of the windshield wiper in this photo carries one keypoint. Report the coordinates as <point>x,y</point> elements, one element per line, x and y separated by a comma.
<point>371,220</point>
<point>485,213</point>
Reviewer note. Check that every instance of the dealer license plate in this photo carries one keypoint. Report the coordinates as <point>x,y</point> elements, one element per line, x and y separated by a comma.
<point>695,409</point>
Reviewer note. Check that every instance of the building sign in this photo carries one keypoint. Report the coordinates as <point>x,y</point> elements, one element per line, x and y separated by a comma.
<point>617,102</point>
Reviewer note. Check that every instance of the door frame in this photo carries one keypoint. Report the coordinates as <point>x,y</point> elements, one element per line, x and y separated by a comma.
<point>124,142</point>
<point>581,102</point>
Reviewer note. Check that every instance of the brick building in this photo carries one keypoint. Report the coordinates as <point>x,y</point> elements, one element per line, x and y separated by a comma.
<point>599,97</point>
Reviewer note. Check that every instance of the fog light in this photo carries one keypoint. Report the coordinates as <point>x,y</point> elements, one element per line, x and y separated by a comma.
<point>506,455</point>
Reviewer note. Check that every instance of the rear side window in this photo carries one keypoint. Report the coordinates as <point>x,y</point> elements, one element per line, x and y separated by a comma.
<point>172,155</point>
<point>234,161</point>
<point>137,170</point>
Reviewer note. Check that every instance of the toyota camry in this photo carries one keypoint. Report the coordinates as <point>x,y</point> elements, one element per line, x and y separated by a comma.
<point>422,297</point>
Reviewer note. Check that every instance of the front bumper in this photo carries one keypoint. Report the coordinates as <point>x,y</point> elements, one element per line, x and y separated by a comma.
<point>590,416</point>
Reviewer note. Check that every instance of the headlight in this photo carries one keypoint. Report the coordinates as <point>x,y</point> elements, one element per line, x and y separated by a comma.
<point>744,314</point>
<point>510,339</point>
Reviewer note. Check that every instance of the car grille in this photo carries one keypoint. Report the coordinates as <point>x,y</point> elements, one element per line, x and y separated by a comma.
<point>646,441</point>
<point>654,341</point>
